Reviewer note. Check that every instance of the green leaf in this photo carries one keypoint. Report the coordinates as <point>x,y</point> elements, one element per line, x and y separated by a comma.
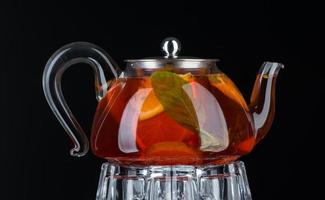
<point>168,90</point>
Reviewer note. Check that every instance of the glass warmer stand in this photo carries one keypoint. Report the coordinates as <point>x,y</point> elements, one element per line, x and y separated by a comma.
<point>212,182</point>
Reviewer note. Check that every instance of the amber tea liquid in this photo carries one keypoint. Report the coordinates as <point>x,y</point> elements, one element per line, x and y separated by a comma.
<point>134,125</point>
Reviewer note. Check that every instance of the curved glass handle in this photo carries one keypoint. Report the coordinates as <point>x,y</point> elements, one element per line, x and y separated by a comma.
<point>104,68</point>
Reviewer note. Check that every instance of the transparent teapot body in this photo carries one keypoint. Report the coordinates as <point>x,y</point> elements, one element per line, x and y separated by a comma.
<point>170,116</point>
<point>169,127</point>
<point>163,111</point>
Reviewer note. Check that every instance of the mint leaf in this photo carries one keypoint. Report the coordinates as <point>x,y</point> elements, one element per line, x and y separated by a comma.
<point>168,90</point>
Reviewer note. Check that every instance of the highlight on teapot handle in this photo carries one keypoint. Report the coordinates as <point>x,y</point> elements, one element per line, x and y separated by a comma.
<point>104,68</point>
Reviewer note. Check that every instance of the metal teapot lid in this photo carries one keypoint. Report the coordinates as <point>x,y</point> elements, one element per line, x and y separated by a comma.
<point>171,47</point>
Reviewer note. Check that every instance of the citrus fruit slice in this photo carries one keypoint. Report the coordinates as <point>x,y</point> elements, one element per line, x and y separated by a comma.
<point>187,76</point>
<point>150,107</point>
<point>228,88</point>
<point>162,128</point>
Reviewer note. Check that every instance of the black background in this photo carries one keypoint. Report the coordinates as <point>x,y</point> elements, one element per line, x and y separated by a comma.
<point>34,158</point>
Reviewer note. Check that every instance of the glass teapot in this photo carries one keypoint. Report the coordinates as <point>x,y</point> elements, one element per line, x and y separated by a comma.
<point>166,110</point>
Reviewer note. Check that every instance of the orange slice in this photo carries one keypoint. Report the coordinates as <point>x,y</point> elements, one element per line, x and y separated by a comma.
<point>150,107</point>
<point>162,128</point>
<point>228,88</point>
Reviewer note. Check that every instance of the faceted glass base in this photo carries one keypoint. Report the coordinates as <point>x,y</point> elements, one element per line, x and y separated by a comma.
<point>212,182</point>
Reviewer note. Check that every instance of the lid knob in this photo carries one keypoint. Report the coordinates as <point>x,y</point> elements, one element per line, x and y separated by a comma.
<point>171,46</point>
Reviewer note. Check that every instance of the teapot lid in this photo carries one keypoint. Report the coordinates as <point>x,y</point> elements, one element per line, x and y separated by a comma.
<point>171,47</point>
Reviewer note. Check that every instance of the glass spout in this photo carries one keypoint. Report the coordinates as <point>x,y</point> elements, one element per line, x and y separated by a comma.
<point>262,104</point>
